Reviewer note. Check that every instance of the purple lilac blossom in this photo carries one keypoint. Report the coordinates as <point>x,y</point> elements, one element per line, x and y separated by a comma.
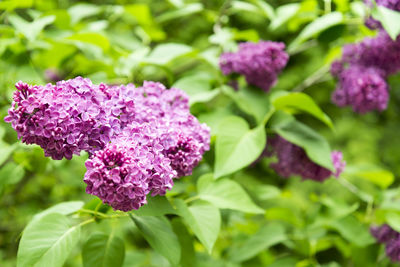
<point>384,234</point>
<point>138,139</point>
<point>393,249</point>
<point>129,168</point>
<point>63,119</point>
<point>260,62</point>
<point>362,88</point>
<point>292,160</point>
<point>362,73</point>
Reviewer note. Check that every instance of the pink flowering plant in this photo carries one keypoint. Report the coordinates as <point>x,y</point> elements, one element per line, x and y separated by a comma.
<point>212,133</point>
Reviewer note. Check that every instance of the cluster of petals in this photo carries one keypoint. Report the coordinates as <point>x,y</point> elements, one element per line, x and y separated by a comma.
<point>384,234</point>
<point>260,62</point>
<point>293,160</point>
<point>362,73</point>
<point>138,139</point>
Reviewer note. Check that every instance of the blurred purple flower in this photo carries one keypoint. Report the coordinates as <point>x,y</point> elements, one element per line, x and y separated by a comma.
<point>292,160</point>
<point>260,62</point>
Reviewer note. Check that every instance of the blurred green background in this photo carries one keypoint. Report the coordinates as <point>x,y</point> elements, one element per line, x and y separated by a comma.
<point>178,43</point>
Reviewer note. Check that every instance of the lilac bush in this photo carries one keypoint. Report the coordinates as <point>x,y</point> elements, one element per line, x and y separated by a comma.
<point>260,62</point>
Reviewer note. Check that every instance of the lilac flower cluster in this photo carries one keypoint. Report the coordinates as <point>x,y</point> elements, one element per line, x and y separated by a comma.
<point>292,160</point>
<point>362,73</point>
<point>260,62</point>
<point>138,139</point>
<point>384,234</point>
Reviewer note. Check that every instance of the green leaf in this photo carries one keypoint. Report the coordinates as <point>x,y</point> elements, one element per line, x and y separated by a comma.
<point>197,87</point>
<point>226,194</point>
<point>283,14</point>
<point>158,232</point>
<point>11,173</point>
<point>203,218</point>
<point>186,241</point>
<point>47,241</point>
<point>315,146</point>
<point>92,38</point>
<point>303,102</point>
<point>30,29</point>
<point>186,10</point>
<point>165,53</point>
<point>353,230</point>
<point>237,146</point>
<point>81,11</point>
<point>102,250</point>
<point>5,151</point>
<point>63,208</point>
<point>393,219</point>
<point>389,19</point>
<point>156,206</point>
<point>381,177</point>
<point>252,102</point>
<point>318,25</point>
<point>265,8</point>
<point>268,235</point>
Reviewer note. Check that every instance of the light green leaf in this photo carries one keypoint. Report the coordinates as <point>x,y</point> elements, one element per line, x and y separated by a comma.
<point>47,241</point>
<point>303,102</point>
<point>317,26</point>
<point>389,19</point>
<point>92,38</point>
<point>267,236</point>
<point>186,10</point>
<point>283,14</point>
<point>265,8</point>
<point>252,102</point>
<point>63,208</point>
<point>353,230</point>
<point>393,219</point>
<point>102,250</point>
<point>30,29</point>
<point>81,11</point>
<point>203,218</point>
<point>165,53</point>
<point>5,151</point>
<point>226,194</point>
<point>156,206</point>
<point>237,146</point>
<point>315,146</point>
<point>158,232</point>
<point>381,177</point>
<point>197,87</point>
<point>11,173</point>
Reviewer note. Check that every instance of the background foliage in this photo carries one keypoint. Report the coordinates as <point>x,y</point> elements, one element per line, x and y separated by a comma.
<point>248,216</point>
